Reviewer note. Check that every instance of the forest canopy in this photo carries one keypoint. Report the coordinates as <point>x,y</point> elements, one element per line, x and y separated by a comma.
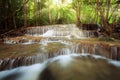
<point>22,13</point>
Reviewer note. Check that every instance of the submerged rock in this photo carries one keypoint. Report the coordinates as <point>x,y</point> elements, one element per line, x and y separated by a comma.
<point>67,67</point>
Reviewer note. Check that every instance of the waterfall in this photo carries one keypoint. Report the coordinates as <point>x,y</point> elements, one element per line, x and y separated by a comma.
<point>59,31</point>
<point>62,34</point>
<point>64,66</point>
<point>69,31</point>
<point>108,51</point>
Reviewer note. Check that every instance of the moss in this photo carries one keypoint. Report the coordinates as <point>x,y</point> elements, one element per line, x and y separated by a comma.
<point>102,38</point>
<point>56,44</point>
<point>7,50</point>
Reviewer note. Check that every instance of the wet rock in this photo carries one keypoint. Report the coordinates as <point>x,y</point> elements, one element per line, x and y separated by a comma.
<point>80,68</point>
<point>89,26</point>
<point>12,76</point>
<point>22,40</point>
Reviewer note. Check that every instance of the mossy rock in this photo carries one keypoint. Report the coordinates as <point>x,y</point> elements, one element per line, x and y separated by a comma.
<point>104,38</point>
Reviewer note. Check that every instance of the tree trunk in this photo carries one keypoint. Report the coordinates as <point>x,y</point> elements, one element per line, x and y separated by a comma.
<point>78,10</point>
<point>49,14</point>
<point>39,10</point>
<point>108,8</point>
<point>35,12</point>
<point>14,21</point>
<point>104,21</point>
<point>25,14</point>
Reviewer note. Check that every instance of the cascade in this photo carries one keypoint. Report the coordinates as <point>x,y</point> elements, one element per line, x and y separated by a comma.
<point>108,51</point>
<point>69,31</point>
<point>62,67</point>
<point>58,30</point>
<point>59,34</point>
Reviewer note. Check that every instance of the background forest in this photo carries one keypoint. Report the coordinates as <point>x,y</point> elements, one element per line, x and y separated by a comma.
<point>22,13</point>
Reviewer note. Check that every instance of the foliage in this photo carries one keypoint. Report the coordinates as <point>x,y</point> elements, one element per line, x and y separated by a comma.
<point>19,13</point>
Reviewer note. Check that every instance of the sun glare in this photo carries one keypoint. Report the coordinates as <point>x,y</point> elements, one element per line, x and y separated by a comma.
<point>59,2</point>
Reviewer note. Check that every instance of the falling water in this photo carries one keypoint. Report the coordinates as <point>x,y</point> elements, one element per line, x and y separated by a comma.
<point>105,50</point>
<point>63,67</point>
<point>59,31</point>
<point>69,31</point>
<point>61,34</point>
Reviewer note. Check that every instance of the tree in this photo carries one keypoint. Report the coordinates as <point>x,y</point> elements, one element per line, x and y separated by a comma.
<point>77,6</point>
<point>104,7</point>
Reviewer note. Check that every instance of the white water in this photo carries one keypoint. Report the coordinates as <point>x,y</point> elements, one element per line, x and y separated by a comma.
<point>59,30</point>
<point>32,72</point>
<point>48,33</point>
<point>57,34</point>
<point>115,63</point>
<point>64,61</point>
<point>28,73</point>
<point>67,48</point>
<point>69,31</point>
